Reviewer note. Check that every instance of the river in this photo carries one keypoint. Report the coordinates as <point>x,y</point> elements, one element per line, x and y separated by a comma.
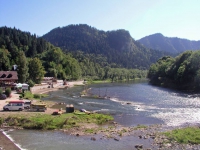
<point>131,103</point>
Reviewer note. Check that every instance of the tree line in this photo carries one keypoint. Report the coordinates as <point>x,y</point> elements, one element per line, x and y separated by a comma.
<point>181,72</point>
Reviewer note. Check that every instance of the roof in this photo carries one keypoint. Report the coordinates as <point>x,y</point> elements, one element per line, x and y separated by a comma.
<point>8,75</point>
<point>48,78</point>
<point>17,101</point>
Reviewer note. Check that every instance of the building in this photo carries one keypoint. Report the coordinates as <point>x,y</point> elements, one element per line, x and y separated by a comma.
<point>8,78</point>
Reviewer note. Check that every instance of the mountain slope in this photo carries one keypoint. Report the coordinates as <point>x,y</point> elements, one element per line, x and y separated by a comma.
<point>117,46</point>
<point>18,48</point>
<point>172,45</point>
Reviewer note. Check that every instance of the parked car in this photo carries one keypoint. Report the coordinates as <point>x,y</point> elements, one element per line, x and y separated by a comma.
<point>14,105</point>
<point>3,96</point>
<point>27,104</point>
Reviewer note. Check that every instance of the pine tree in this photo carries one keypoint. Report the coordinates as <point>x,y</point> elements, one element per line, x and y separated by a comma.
<point>22,67</point>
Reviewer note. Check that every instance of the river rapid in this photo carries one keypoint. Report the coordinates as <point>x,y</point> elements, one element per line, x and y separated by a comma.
<point>131,103</point>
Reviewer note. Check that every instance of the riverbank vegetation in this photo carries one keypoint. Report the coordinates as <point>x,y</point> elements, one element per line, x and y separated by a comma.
<point>50,122</point>
<point>181,72</point>
<point>30,96</point>
<point>189,135</point>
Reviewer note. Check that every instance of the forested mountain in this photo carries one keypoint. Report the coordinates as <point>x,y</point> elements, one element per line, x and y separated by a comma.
<point>167,44</point>
<point>117,48</point>
<point>36,58</point>
<point>182,72</point>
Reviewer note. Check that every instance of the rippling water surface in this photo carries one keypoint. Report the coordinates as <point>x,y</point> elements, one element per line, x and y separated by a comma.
<point>131,103</point>
<point>135,103</point>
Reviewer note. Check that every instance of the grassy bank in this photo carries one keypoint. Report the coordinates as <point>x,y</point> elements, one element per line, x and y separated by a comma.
<point>189,135</point>
<point>110,81</point>
<point>30,96</point>
<point>50,122</point>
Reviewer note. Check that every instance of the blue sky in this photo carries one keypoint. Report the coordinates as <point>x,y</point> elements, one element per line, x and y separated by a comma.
<point>172,18</point>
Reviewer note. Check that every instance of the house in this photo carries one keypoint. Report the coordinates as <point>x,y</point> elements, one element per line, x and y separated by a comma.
<point>8,78</point>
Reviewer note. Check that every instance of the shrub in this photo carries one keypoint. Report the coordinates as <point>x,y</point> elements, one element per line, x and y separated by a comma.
<point>1,121</point>
<point>1,91</point>
<point>36,96</point>
<point>27,95</point>
<point>8,92</point>
<point>31,83</point>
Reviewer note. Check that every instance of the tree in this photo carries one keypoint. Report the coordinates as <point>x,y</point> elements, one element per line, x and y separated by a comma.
<point>36,70</point>
<point>22,67</point>
<point>182,72</point>
<point>4,60</point>
<point>8,92</point>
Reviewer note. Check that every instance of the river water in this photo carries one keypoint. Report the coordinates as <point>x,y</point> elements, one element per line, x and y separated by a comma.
<point>131,103</point>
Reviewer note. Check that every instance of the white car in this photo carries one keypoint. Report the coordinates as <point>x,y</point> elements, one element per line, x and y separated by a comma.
<point>27,104</point>
<point>14,105</point>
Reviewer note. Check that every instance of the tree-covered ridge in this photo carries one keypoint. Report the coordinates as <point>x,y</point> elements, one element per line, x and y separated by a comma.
<point>15,40</point>
<point>172,45</point>
<point>182,72</point>
<point>118,47</point>
<point>34,57</point>
<point>52,61</point>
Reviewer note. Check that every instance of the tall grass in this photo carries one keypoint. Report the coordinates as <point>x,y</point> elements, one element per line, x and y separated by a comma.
<point>29,95</point>
<point>49,122</point>
<point>185,135</point>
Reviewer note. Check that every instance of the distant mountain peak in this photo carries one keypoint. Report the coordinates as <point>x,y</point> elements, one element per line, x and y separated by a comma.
<point>157,34</point>
<point>169,44</point>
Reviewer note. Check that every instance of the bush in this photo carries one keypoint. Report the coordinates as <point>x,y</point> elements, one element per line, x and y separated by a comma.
<point>31,83</point>
<point>36,96</point>
<point>8,92</point>
<point>1,121</point>
<point>27,95</point>
<point>1,91</point>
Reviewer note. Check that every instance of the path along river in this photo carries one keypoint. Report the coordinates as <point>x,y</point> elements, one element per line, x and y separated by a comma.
<point>131,103</point>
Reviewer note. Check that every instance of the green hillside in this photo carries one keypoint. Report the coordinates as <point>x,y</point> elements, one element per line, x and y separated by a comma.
<point>117,47</point>
<point>34,57</point>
